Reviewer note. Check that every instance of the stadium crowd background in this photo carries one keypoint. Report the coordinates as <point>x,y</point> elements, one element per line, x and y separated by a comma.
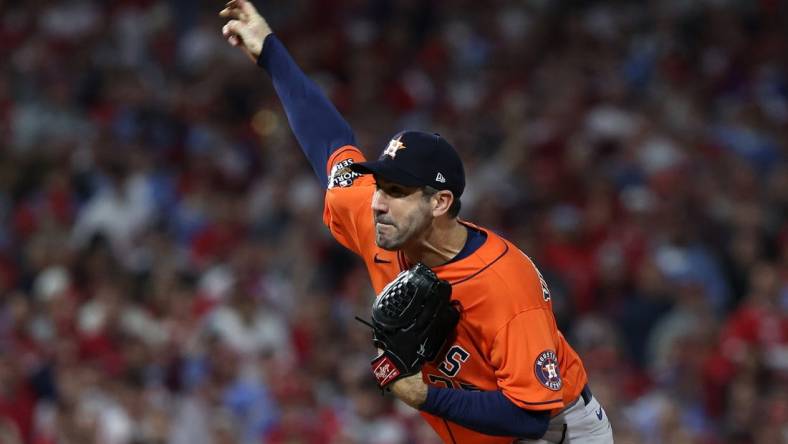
<point>165,276</point>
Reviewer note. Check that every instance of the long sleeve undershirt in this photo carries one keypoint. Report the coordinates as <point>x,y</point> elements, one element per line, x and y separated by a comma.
<point>316,123</point>
<point>488,412</point>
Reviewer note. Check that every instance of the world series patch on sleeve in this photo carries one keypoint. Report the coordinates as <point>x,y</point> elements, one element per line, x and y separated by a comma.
<point>341,175</point>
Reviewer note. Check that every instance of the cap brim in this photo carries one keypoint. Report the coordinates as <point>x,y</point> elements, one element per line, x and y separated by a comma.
<point>387,171</point>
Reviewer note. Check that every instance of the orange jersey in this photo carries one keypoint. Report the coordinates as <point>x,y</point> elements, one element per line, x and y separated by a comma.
<point>507,337</point>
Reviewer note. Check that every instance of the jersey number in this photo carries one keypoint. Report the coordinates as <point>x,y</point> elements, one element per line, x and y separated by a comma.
<point>448,383</point>
<point>451,364</point>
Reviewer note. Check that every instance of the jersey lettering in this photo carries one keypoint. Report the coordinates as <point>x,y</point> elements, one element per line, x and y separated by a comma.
<point>545,290</point>
<point>542,282</point>
<point>453,361</point>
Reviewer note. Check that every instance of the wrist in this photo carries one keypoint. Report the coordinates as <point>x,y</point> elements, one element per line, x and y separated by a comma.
<point>411,390</point>
<point>261,56</point>
<point>257,48</point>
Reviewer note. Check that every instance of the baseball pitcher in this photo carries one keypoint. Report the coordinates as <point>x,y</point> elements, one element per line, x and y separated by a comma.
<point>463,320</point>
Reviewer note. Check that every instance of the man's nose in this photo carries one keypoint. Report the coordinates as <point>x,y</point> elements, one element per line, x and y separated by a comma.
<point>379,202</point>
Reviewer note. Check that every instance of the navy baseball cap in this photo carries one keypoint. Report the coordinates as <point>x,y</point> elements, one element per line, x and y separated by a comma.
<point>417,159</point>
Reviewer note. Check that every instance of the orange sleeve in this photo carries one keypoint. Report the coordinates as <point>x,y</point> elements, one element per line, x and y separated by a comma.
<point>524,355</point>
<point>348,212</point>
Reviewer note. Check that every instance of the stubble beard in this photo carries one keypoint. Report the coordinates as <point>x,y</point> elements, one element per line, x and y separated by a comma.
<point>391,241</point>
<point>415,226</point>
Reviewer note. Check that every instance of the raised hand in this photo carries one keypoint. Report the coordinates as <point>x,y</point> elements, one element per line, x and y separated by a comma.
<point>246,28</point>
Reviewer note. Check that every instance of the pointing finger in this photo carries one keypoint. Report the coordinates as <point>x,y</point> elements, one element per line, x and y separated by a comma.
<point>231,13</point>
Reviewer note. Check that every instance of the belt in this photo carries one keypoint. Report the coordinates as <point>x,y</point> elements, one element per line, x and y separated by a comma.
<point>586,394</point>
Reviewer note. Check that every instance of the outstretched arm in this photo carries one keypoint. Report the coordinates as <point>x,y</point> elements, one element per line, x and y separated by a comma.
<point>316,123</point>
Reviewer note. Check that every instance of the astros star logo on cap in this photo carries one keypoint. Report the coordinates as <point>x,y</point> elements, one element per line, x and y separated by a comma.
<point>394,146</point>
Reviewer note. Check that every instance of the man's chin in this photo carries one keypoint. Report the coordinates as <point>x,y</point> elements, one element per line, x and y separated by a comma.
<point>386,244</point>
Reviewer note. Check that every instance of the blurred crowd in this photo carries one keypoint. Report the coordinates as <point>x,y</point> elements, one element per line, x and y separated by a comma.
<point>165,276</point>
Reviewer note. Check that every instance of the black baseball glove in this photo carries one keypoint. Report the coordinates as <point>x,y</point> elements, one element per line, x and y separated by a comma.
<point>411,320</point>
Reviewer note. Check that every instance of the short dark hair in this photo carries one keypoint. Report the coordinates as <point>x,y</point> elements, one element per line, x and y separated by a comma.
<point>454,209</point>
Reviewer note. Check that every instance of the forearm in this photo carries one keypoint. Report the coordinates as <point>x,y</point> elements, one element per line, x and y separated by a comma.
<point>316,123</point>
<point>411,390</point>
<point>488,412</point>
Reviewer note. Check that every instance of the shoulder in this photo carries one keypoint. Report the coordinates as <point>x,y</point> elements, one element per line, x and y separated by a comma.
<point>520,266</point>
<point>506,266</point>
<point>519,281</point>
<point>338,168</point>
<point>348,211</point>
<point>498,282</point>
<point>355,189</point>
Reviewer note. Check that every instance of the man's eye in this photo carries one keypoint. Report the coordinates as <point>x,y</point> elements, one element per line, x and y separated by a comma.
<point>393,191</point>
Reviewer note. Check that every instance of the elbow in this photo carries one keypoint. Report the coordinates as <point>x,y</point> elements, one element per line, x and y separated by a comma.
<point>542,427</point>
<point>539,425</point>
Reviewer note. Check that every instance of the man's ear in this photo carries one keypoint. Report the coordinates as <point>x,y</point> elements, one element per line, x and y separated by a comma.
<point>441,202</point>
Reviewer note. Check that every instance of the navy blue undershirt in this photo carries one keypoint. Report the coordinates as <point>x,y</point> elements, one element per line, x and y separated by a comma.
<point>488,412</point>
<point>316,123</point>
<point>321,130</point>
<point>475,240</point>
